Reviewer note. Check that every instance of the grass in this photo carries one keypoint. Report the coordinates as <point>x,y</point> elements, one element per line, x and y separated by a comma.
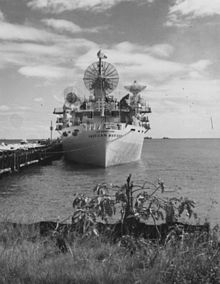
<point>26,257</point>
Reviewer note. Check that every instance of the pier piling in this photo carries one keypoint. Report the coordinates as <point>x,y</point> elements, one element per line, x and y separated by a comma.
<point>15,159</point>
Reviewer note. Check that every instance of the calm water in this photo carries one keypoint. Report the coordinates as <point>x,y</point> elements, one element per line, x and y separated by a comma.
<point>189,167</point>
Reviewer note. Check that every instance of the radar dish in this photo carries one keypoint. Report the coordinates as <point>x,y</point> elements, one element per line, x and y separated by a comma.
<point>71,98</point>
<point>135,88</point>
<point>101,75</point>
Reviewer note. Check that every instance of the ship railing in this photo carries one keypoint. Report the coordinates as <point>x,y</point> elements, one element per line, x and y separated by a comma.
<point>58,110</point>
<point>145,109</point>
<point>109,106</point>
<point>114,126</point>
<point>91,126</point>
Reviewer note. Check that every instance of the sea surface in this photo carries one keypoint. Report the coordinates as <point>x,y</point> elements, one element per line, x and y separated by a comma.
<point>188,167</point>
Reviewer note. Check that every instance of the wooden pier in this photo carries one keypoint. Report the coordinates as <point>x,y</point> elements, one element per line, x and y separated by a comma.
<point>14,160</point>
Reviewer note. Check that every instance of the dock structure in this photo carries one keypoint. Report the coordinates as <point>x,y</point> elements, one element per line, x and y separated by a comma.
<point>14,160</point>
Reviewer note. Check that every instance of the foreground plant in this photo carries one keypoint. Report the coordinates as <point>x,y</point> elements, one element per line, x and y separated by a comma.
<point>130,203</point>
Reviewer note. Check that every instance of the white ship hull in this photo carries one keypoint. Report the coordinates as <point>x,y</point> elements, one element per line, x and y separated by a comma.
<point>106,147</point>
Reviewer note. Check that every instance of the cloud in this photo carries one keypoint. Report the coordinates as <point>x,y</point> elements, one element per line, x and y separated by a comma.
<point>52,56</point>
<point>174,20</point>
<point>201,65</point>
<point>44,71</point>
<point>137,62</point>
<point>161,50</point>
<point>55,56</point>
<point>35,59</point>
<point>62,25</point>
<point>196,8</point>
<point>27,46</point>
<point>59,50</point>
<point>142,63</point>
<point>38,100</point>
<point>17,53</point>
<point>58,6</point>
<point>158,50</point>
<point>10,31</point>
<point>2,17</point>
<point>199,69</point>
<point>4,108</point>
<point>183,11</point>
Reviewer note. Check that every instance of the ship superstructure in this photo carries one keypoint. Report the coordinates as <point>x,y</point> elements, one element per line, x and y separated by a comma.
<point>102,130</point>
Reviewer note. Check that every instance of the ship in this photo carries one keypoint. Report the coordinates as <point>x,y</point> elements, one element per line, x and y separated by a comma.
<point>102,130</point>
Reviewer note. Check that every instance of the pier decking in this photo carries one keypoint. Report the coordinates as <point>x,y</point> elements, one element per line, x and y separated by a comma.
<point>15,159</point>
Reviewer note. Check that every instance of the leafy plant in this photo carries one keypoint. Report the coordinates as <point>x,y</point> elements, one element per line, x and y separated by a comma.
<point>132,202</point>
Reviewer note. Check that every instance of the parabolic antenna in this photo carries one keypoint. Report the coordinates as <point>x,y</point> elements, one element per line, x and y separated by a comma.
<point>101,75</point>
<point>70,97</point>
<point>135,88</point>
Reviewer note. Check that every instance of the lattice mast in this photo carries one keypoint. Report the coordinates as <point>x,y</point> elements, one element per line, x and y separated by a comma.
<point>102,90</point>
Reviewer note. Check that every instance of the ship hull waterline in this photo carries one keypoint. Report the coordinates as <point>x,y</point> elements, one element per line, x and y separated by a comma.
<point>104,149</point>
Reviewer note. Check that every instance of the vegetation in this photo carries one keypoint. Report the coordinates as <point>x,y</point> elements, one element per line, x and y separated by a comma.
<point>93,256</point>
<point>133,203</point>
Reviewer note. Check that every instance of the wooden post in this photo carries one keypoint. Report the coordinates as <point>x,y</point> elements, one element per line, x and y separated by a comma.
<point>51,130</point>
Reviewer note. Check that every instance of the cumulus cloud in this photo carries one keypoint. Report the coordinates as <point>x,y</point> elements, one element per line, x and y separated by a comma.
<point>60,56</point>
<point>55,50</point>
<point>62,25</point>
<point>174,20</point>
<point>58,6</point>
<point>52,56</point>
<point>10,31</point>
<point>196,8</point>
<point>4,108</point>
<point>158,50</point>
<point>44,71</point>
<point>161,50</point>
<point>183,11</point>
<point>201,65</point>
<point>25,48</point>
<point>137,62</point>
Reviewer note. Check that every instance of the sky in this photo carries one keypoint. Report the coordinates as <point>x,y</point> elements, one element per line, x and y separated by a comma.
<point>171,46</point>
